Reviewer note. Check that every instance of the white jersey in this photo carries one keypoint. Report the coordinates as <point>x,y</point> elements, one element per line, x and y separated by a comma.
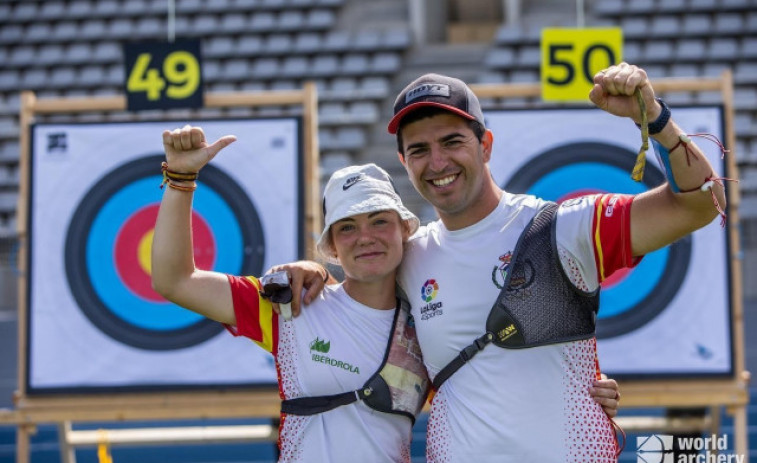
<point>508,405</point>
<point>334,346</point>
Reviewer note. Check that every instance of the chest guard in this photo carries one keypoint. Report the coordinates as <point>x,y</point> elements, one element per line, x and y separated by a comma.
<point>399,386</point>
<point>538,304</point>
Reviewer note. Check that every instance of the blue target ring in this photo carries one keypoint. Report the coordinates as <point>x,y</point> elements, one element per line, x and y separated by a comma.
<point>647,289</point>
<point>91,242</point>
<point>105,226</point>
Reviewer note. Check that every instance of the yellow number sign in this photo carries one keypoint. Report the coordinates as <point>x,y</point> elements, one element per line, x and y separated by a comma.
<point>163,75</point>
<point>571,57</point>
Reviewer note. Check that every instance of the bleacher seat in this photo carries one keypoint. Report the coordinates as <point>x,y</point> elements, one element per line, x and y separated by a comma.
<point>295,67</point>
<point>249,45</point>
<point>641,7</point>
<point>307,42</point>
<point>21,56</point>
<point>136,8</point>
<point>62,77</point>
<point>9,79</point>
<point>114,74</point>
<point>722,49</point>
<point>385,63</point>
<point>24,11</point>
<point>218,47</point>
<point>750,25</point>
<point>205,24</point>
<point>609,8</point>
<point>93,29</point>
<point>749,47</point>
<point>219,6</point>
<point>51,11</point>
<point>64,31</point>
<point>635,27</point>
<point>265,68</point>
<point>79,9</point>
<point>684,70</point>
<point>79,53</point>
<point>262,22</point>
<point>632,52</point>
<point>211,70</point>
<point>320,19</point>
<point>500,58</point>
<point>278,44</point>
<point>672,6</point>
<point>9,151</point>
<point>91,76</point>
<point>665,26</point>
<point>233,23</point>
<point>658,51</point>
<point>690,50</point>
<point>509,35</point>
<point>709,97</point>
<point>337,41</point>
<point>106,8</point>
<point>529,57</point>
<point>696,25</point>
<point>11,33</point>
<point>37,32</point>
<point>366,41</point>
<point>374,87</point>
<point>50,54</point>
<point>703,5</point>
<point>729,24</point>
<point>325,65</point>
<point>106,52</point>
<point>290,20</point>
<point>121,28</point>
<point>396,39</point>
<point>354,64</point>
<point>236,69</point>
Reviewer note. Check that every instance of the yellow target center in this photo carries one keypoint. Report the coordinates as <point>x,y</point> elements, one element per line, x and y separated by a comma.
<point>144,251</point>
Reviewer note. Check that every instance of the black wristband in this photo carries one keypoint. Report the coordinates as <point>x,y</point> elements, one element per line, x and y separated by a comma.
<point>661,121</point>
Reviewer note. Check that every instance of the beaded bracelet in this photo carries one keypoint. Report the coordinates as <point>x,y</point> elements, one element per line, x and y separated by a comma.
<point>178,176</point>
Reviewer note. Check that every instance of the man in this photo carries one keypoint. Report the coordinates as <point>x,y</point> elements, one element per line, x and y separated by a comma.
<point>481,410</point>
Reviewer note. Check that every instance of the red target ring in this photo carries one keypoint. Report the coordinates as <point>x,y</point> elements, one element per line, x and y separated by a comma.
<point>132,254</point>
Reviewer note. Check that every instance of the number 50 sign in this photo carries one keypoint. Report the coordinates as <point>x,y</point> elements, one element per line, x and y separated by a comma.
<point>163,75</point>
<point>571,57</point>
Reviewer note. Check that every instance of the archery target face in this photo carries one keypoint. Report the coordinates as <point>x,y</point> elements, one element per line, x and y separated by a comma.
<point>94,319</point>
<point>652,317</point>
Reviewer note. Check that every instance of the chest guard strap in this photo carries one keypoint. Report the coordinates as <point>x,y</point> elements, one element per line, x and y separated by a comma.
<point>400,385</point>
<point>538,304</point>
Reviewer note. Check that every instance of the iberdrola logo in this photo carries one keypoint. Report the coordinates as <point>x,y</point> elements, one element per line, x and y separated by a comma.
<point>429,290</point>
<point>320,345</point>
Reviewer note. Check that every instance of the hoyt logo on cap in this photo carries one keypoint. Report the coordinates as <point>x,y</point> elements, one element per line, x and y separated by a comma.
<point>427,90</point>
<point>435,90</point>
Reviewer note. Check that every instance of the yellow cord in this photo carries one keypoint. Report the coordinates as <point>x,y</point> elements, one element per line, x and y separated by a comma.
<point>641,158</point>
<point>103,447</point>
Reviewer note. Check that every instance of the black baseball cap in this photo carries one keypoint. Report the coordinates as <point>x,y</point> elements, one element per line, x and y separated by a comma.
<point>440,91</point>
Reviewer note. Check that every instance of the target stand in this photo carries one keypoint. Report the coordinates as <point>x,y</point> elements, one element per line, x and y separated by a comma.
<point>671,329</point>
<point>89,237</point>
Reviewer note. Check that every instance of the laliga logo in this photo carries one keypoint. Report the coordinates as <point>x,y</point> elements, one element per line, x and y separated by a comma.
<point>429,289</point>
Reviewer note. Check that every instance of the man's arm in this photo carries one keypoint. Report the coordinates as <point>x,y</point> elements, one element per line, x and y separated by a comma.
<point>174,275</point>
<point>660,216</point>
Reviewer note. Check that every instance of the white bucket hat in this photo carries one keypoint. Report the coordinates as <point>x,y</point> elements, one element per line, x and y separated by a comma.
<point>358,190</point>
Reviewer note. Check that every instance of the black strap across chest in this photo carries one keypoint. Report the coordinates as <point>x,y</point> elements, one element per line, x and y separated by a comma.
<point>538,304</point>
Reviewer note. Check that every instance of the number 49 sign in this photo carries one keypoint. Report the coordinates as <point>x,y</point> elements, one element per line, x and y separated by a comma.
<point>163,75</point>
<point>571,57</point>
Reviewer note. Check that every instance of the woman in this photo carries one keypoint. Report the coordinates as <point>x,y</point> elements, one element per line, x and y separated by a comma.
<point>336,406</point>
